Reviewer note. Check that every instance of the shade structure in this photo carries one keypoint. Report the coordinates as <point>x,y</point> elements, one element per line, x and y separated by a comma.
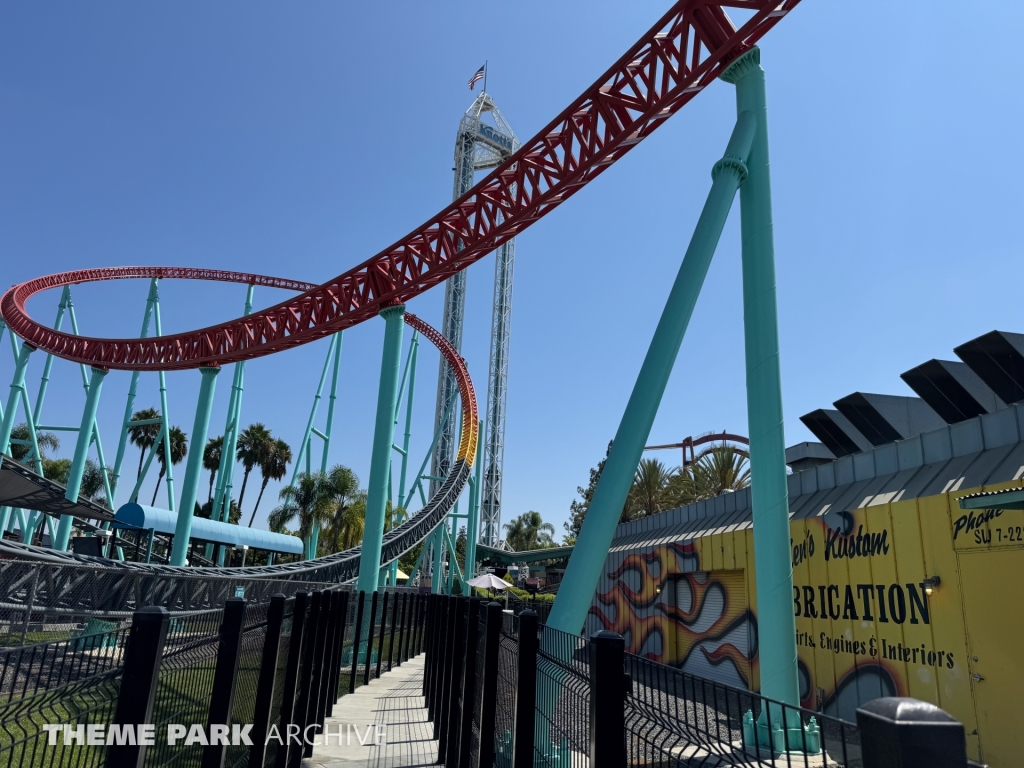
<point>141,517</point>
<point>488,581</point>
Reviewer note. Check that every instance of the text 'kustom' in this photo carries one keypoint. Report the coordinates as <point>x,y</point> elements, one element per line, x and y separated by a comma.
<point>97,734</point>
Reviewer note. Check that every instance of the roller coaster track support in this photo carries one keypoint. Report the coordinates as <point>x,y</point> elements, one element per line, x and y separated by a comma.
<point>85,435</point>
<point>221,510</point>
<point>383,442</point>
<point>584,568</point>
<point>473,523</point>
<point>769,489</point>
<point>194,467</point>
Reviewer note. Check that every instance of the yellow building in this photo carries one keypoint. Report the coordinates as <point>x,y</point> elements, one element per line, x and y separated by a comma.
<point>899,590</point>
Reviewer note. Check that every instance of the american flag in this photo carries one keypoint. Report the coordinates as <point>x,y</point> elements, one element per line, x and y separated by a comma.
<point>478,76</point>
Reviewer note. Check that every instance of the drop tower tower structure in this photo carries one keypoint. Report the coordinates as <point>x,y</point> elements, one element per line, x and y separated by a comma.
<point>479,145</point>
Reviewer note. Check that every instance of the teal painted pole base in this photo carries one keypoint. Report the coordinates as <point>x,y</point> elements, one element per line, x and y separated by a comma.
<point>346,656</point>
<point>802,739</point>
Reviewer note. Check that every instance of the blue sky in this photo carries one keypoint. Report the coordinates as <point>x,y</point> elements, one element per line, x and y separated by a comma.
<point>299,139</point>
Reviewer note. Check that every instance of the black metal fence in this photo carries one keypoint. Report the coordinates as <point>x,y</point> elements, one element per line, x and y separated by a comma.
<point>277,666</point>
<point>563,700</point>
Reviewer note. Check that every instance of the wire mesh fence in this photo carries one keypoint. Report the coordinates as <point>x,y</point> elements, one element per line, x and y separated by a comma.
<point>282,669</point>
<point>673,716</point>
<point>563,699</point>
<point>71,681</point>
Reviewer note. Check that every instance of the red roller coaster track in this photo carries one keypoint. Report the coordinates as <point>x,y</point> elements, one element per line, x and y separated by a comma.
<point>683,53</point>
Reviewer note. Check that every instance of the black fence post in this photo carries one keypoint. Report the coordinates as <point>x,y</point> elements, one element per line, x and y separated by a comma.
<point>470,681</point>
<point>435,653</point>
<point>316,679</point>
<point>295,754</point>
<point>395,611</point>
<point>383,627</point>
<point>526,692</point>
<point>292,676</point>
<point>442,696</point>
<point>369,639</point>
<point>607,700</point>
<point>898,732</point>
<point>357,635</point>
<point>341,625</point>
<point>135,700</point>
<point>323,671</point>
<point>224,677</point>
<point>489,688</point>
<point>265,686</point>
<point>454,705</point>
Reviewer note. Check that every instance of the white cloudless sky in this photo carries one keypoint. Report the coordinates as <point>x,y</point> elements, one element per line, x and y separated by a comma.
<point>300,139</point>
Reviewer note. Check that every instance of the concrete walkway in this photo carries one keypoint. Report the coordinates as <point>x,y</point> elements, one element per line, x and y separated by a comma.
<point>390,717</point>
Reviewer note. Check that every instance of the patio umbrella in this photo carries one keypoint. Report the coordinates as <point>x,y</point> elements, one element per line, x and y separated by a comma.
<point>487,581</point>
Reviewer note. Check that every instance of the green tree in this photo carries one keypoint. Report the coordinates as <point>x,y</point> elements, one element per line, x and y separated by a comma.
<point>650,491</point>
<point>311,500</point>
<point>254,443</point>
<point>57,470</point>
<point>24,453</point>
<point>272,467</point>
<point>578,508</point>
<point>179,448</point>
<point>143,436</point>
<point>349,513</point>
<point>720,469</point>
<point>92,486</point>
<point>211,459</point>
<point>529,531</point>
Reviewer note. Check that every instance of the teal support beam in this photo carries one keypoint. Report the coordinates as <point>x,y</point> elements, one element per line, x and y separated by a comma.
<point>85,433</point>
<point>768,487</point>
<point>133,388</point>
<point>194,467</point>
<point>437,544</point>
<point>169,474</point>
<point>414,347</point>
<point>17,385</point>
<point>44,380</point>
<point>584,568</point>
<point>329,428</point>
<point>473,523</point>
<point>380,458</point>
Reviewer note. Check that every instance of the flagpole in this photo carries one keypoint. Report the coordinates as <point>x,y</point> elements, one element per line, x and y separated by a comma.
<point>485,75</point>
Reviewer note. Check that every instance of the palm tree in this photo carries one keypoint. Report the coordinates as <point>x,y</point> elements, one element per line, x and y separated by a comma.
<point>311,499</point>
<point>719,470</point>
<point>529,531</point>
<point>22,452</point>
<point>144,435</point>
<point>211,459</point>
<point>253,445</point>
<point>648,494</point>
<point>274,465</point>
<point>92,486</point>
<point>349,508</point>
<point>179,447</point>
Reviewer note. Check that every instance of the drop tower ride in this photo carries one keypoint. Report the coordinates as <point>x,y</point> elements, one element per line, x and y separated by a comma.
<point>479,145</point>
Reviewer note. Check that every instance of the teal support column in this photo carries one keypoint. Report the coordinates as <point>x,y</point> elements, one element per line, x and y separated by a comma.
<point>194,467</point>
<point>436,543</point>
<point>414,347</point>
<point>92,402</point>
<point>133,387</point>
<point>473,524</point>
<point>380,458</point>
<point>17,385</point>
<point>768,486</point>
<point>584,569</point>
<point>329,427</point>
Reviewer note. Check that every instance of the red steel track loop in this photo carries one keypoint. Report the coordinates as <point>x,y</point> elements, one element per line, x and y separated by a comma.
<point>680,56</point>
